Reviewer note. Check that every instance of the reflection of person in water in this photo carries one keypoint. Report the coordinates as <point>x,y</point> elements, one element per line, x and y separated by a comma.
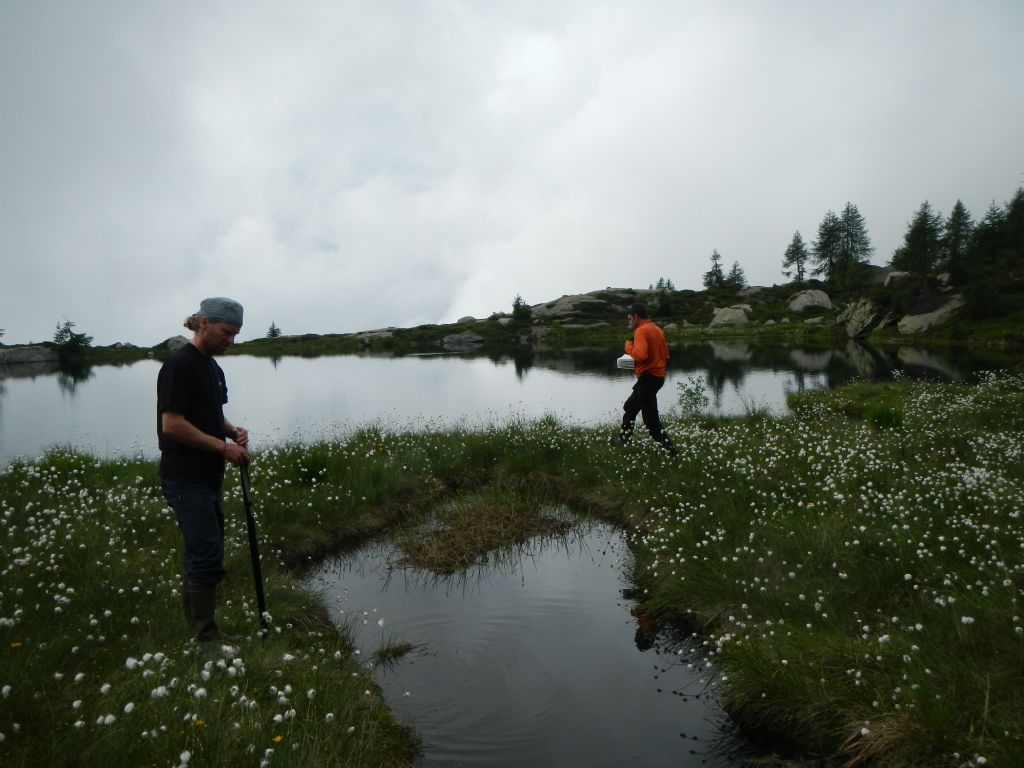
<point>649,351</point>
<point>647,629</point>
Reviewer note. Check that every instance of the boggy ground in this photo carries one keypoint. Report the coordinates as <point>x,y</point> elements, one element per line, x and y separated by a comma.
<point>855,572</point>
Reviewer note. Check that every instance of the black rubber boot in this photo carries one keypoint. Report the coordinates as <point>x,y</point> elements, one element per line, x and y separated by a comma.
<point>202,600</point>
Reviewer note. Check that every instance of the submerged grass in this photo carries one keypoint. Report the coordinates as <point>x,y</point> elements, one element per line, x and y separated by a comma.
<point>856,570</point>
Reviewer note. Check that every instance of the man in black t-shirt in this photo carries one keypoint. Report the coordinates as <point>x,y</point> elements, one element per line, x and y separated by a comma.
<point>193,436</point>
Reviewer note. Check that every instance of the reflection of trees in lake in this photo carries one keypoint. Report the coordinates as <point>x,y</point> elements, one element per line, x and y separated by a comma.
<point>71,374</point>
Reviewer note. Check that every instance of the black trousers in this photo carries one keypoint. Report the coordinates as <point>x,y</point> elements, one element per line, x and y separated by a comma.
<point>644,401</point>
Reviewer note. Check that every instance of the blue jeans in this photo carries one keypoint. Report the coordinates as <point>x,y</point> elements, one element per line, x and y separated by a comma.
<point>201,520</point>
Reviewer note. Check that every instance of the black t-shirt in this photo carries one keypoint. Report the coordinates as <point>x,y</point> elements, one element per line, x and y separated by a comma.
<point>192,384</point>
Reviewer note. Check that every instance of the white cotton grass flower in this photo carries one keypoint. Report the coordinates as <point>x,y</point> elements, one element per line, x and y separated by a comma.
<point>128,708</point>
<point>329,717</point>
<point>5,691</point>
<point>105,688</point>
<point>966,619</point>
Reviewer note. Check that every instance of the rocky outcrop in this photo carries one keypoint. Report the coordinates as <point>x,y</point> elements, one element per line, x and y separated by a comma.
<point>174,343</point>
<point>462,342</point>
<point>735,315</point>
<point>809,299</point>
<point>466,319</point>
<point>567,306</point>
<point>366,338</point>
<point>911,324</point>
<point>23,355</point>
<point>895,275</point>
<point>861,318</point>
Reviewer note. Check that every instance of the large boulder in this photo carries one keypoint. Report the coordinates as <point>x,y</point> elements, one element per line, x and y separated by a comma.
<point>22,355</point>
<point>861,318</point>
<point>461,342</point>
<point>811,298</point>
<point>174,343</point>
<point>894,275</point>
<point>736,315</point>
<point>567,306</point>
<point>911,324</point>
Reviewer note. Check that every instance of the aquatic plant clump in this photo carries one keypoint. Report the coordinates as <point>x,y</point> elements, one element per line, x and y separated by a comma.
<point>856,571</point>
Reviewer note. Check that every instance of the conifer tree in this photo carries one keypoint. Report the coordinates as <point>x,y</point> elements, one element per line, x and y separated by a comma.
<point>714,277</point>
<point>825,249</point>
<point>855,247</point>
<point>737,280</point>
<point>956,239</point>
<point>922,243</point>
<point>795,260</point>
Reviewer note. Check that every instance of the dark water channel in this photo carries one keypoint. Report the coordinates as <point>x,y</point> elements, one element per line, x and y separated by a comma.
<point>533,661</point>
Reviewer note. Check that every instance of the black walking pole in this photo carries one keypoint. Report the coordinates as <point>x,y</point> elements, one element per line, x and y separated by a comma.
<point>254,552</point>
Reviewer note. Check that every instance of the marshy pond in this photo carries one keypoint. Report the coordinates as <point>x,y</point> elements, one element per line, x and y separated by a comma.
<point>536,658</point>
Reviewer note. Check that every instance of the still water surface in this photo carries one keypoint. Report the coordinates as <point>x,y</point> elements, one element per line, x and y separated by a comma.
<point>111,410</point>
<point>535,661</point>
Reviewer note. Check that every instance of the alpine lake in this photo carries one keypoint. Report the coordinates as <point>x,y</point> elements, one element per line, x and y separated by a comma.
<point>538,657</point>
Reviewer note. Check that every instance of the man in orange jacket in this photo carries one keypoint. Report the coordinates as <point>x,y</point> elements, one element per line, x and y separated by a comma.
<point>650,353</point>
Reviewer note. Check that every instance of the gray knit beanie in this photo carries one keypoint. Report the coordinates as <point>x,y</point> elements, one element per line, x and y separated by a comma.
<point>221,310</point>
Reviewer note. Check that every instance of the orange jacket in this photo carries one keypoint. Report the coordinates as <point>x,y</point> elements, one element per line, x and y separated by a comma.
<point>648,348</point>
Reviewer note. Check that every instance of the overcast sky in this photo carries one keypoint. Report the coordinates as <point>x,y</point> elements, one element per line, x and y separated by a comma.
<point>341,166</point>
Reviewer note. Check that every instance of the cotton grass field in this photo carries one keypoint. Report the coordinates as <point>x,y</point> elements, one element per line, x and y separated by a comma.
<point>852,573</point>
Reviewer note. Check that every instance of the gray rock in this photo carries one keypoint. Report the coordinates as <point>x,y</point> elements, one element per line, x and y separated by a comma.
<point>750,290</point>
<point>462,341</point>
<point>894,275</point>
<point>861,318</point>
<point>570,305</point>
<point>911,324</point>
<point>381,333</point>
<point>730,316</point>
<point>504,321</point>
<point>22,355</point>
<point>814,320</point>
<point>174,343</point>
<point>466,319</point>
<point>809,299</point>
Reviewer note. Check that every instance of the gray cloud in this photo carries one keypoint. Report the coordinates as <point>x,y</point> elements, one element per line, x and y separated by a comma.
<point>343,166</point>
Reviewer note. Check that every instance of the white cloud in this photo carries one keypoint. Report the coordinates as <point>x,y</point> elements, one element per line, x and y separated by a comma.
<point>343,166</point>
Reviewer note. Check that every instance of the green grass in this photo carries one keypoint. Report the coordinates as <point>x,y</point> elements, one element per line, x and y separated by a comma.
<point>855,570</point>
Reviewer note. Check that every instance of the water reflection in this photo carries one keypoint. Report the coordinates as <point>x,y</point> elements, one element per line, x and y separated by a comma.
<point>111,409</point>
<point>530,660</point>
<point>71,374</point>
